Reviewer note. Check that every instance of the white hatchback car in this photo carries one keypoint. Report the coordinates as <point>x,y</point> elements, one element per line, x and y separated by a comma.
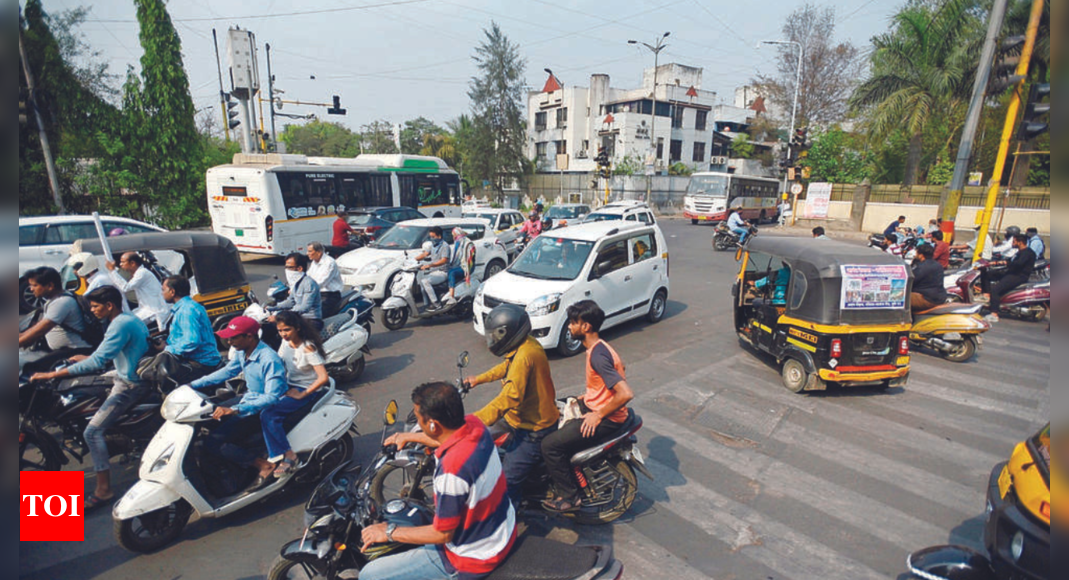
<point>621,266</point>
<point>631,211</point>
<point>505,224</point>
<point>371,268</point>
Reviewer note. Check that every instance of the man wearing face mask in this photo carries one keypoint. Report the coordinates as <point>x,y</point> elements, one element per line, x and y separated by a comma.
<point>304,298</point>
<point>436,268</point>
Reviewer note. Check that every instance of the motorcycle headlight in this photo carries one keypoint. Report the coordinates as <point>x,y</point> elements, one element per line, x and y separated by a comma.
<point>171,409</point>
<point>547,304</point>
<point>374,267</point>
<point>163,459</point>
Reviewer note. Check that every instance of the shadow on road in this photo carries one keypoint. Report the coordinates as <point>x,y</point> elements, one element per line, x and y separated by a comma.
<point>382,367</point>
<point>383,338</point>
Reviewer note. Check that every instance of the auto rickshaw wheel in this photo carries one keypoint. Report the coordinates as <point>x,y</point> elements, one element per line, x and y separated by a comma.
<point>796,378</point>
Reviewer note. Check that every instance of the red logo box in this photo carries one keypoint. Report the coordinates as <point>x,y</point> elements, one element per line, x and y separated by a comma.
<point>52,506</point>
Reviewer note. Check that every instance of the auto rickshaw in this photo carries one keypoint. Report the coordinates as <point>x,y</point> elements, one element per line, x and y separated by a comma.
<point>828,312</point>
<point>211,262</point>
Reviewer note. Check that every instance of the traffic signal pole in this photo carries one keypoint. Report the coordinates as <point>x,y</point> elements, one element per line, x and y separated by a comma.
<point>1007,128</point>
<point>952,200</point>
<point>50,166</point>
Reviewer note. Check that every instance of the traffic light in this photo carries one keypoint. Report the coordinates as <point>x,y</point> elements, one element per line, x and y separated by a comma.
<point>800,136</point>
<point>594,184</point>
<point>606,171</point>
<point>1032,125</point>
<point>1003,71</point>
<point>232,113</point>
<point>602,158</point>
<point>336,109</point>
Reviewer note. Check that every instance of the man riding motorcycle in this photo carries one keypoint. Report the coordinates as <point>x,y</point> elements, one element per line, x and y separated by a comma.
<point>738,226</point>
<point>436,268</point>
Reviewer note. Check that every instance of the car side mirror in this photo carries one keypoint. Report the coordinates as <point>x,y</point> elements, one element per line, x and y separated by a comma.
<point>390,416</point>
<point>600,269</point>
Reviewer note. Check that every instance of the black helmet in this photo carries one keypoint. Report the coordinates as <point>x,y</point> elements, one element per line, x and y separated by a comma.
<point>507,326</point>
<point>1013,231</point>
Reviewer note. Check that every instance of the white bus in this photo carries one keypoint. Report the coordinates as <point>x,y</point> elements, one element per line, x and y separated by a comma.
<point>277,204</point>
<point>712,196</point>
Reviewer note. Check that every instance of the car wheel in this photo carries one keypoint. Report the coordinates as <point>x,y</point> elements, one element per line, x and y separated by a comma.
<point>568,346</point>
<point>27,301</point>
<point>657,306</point>
<point>494,267</point>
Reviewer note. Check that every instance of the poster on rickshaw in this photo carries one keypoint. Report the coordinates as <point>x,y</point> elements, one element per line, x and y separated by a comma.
<point>818,200</point>
<point>874,287</point>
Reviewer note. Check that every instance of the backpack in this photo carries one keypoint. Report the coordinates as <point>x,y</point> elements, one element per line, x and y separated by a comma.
<point>94,328</point>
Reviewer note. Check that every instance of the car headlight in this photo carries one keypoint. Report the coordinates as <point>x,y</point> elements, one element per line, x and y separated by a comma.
<point>479,296</point>
<point>374,267</point>
<point>163,459</point>
<point>348,272</point>
<point>1017,546</point>
<point>547,304</point>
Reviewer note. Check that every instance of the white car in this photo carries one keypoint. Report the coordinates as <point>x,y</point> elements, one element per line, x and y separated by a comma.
<point>46,241</point>
<point>630,211</point>
<point>621,266</point>
<point>371,268</point>
<point>505,223</point>
<point>474,205</point>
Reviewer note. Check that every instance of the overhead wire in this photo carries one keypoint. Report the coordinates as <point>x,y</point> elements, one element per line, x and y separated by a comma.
<point>282,14</point>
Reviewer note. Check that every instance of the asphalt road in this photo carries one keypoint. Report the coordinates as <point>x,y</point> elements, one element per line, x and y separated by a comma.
<point>753,482</point>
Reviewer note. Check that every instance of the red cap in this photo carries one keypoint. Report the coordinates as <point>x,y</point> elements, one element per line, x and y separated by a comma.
<point>238,326</point>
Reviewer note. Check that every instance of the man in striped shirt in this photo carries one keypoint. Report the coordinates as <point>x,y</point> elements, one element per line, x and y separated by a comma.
<point>474,525</point>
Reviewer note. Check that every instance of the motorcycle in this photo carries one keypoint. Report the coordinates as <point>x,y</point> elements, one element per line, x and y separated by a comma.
<point>952,330</point>
<point>345,341</point>
<point>181,480</point>
<point>725,238</point>
<point>605,472</point>
<point>342,506</point>
<point>950,563</point>
<point>350,300</point>
<point>906,248</point>
<point>402,303</point>
<point>66,406</point>
<point>1030,301</point>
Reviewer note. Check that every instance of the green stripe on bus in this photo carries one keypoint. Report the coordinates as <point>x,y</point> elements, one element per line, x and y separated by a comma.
<point>411,170</point>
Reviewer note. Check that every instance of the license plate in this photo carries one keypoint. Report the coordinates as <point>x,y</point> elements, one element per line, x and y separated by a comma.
<point>637,455</point>
<point>239,233</point>
<point>902,361</point>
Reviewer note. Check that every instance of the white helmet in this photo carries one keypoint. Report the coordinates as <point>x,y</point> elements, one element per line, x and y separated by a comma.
<point>84,264</point>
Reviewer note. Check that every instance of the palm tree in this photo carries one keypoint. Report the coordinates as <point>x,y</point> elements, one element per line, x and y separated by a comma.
<point>922,70</point>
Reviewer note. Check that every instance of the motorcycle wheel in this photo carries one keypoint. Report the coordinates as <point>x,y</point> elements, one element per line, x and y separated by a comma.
<point>392,482</point>
<point>721,244</point>
<point>350,372</point>
<point>395,319</point>
<point>150,532</point>
<point>964,351</point>
<point>1037,313</point>
<point>624,492</point>
<point>33,456</point>
<point>283,569</point>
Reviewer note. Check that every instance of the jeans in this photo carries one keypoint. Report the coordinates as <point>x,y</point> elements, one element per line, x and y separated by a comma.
<point>123,396</point>
<point>271,420</point>
<point>427,282</point>
<point>235,428</point>
<point>455,276</point>
<point>330,301</point>
<point>559,447</point>
<point>422,563</point>
<point>522,455</point>
<point>742,233</point>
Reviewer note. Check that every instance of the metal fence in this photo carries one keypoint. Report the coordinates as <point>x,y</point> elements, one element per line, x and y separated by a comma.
<point>974,196</point>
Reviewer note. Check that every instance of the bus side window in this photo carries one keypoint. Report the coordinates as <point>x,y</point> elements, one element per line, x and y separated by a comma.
<point>353,191</point>
<point>381,192</point>
<point>294,194</point>
<point>322,193</point>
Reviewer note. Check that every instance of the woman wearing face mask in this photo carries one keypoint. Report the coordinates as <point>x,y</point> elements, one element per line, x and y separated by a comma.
<point>462,264</point>
<point>304,298</point>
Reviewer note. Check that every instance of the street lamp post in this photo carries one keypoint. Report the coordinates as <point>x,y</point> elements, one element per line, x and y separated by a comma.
<point>797,86</point>
<point>559,166</point>
<point>656,50</point>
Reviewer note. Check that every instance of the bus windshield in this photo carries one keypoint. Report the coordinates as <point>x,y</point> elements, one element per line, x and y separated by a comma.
<point>402,237</point>
<point>550,258</point>
<point>711,185</point>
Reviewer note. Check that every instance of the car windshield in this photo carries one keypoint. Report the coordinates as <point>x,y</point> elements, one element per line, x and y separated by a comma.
<point>402,237</point>
<point>604,217</point>
<point>550,258</point>
<point>711,185</point>
<point>564,212</point>
<point>483,216</point>
<point>360,219</point>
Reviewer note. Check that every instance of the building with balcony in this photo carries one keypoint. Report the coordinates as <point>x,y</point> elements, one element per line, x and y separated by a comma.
<point>688,126</point>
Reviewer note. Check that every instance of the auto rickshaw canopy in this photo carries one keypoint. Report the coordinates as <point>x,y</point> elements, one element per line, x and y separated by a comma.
<point>819,269</point>
<point>214,260</point>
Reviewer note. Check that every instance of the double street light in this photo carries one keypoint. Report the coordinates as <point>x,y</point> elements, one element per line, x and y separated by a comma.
<point>656,49</point>
<point>797,86</point>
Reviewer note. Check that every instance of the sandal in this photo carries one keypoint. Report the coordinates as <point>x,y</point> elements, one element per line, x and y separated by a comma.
<point>93,503</point>
<point>285,468</point>
<point>561,505</point>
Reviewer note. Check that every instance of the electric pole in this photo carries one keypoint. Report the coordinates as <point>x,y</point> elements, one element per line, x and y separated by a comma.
<point>46,150</point>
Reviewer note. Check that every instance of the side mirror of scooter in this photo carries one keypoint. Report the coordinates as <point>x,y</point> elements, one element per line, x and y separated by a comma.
<point>390,416</point>
<point>463,360</point>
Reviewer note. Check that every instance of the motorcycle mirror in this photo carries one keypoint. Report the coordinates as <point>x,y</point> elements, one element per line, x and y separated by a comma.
<point>463,360</point>
<point>390,416</point>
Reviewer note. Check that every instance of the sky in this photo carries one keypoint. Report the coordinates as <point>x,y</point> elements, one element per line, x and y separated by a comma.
<point>401,59</point>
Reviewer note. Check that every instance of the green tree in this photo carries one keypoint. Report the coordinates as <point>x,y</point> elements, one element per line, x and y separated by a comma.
<point>837,157</point>
<point>377,137</point>
<point>498,97</point>
<point>680,169</point>
<point>921,72</point>
<point>442,146</point>
<point>414,134</point>
<point>320,139</point>
<point>629,165</point>
<point>462,130</point>
<point>742,147</point>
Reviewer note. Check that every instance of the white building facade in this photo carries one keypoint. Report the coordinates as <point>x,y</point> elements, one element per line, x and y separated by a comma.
<point>689,127</point>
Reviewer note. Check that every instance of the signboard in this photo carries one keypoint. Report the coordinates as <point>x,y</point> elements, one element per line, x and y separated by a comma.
<point>976,178</point>
<point>818,199</point>
<point>562,161</point>
<point>874,287</point>
<point>796,188</point>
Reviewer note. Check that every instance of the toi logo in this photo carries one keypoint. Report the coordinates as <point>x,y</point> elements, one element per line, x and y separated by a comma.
<point>51,506</point>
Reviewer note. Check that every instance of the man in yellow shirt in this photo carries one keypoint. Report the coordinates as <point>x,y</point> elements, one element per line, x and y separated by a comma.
<point>527,400</point>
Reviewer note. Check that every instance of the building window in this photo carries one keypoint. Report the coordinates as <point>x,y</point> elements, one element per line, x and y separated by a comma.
<point>700,120</point>
<point>675,150</point>
<point>699,152</point>
<point>586,145</point>
<point>540,149</point>
<point>562,117</point>
<point>677,117</point>
<point>561,147</point>
<point>540,121</point>
<point>660,148</point>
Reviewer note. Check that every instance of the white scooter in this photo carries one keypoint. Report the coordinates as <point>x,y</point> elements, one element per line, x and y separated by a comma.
<point>344,341</point>
<point>402,304</point>
<point>180,480</point>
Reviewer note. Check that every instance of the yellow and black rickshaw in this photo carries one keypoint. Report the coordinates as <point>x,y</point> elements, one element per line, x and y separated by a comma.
<point>828,312</point>
<point>211,262</point>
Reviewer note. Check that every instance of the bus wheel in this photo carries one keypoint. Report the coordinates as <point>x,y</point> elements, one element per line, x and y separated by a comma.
<point>764,217</point>
<point>439,214</point>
